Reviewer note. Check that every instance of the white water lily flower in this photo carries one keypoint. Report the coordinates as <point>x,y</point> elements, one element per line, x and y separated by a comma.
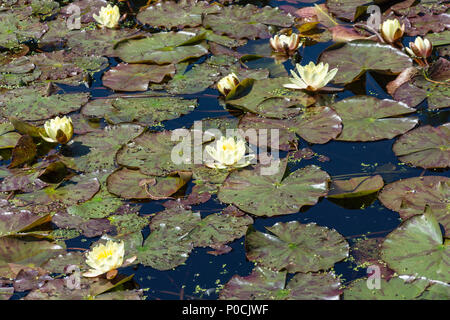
<point>104,258</point>
<point>58,130</point>
<point>312,77</point>
<point>391,30</point>
<point>285,44</point>
<point>108,17</point>
<point>421,48</point>
<point>228,153</point>
<point>228,83</point>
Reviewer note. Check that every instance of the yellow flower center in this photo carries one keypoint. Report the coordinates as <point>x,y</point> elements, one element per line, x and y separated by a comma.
<point>104,254</point>
<point>228,146</point>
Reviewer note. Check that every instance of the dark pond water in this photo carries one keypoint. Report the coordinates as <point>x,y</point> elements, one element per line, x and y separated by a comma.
<point>204,273</point>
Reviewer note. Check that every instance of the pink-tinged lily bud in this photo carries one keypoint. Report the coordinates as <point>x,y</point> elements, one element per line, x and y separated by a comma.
<point>228,83</point>
<point>391,30</point>
<point>285,44</point>
<point>421,48</point>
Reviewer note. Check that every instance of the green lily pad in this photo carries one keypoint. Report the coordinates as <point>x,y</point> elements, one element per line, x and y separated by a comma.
<point>369,119</point>
<point>78,189</point>
<point>14,220</point>
<point>98,42</point>
<point>247,22</point>
<point>272,195</point>
<point>96,150</point>
<point>270,99</point>
<point>296,247</point>
<point>348,10</point>
<point>439,38</point>
<point>28,253</point>
<point>56,65</point>
<point>9,140</point>
<point>162,48</point>
<point>187,13</point>
<point>133,184</point>
<point>147,111</point>
<point>151,153</point>
<point>201,76</point>
<point>135,77</point>
<point>265,284</point>
<point>425,147</point>
<point>315,125</point>
<point>408,197</point>
<point>354,58</point>
<point>128,223</point>
<point>436,291</point>
<point>178,218</point>
<point>417,247</point>
<point>355,187</point>
<point>31,105</point>
<point>164,249</point>
<point>394,289</point>
<point>219,228</point>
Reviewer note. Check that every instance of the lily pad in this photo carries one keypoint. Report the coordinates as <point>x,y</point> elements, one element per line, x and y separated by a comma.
<point>268,98</point>
<point>135,77</point>
<point>265,284</point>
<point>275,194</point>
<point>186,13</point>
<point>417,247</point>
<point>78,189</point>
<point>219,228</point>
<point>133,184</point>
<point>425,147</point>
<point>355,187</point>
<point>152,154</point>
<point>31,105</point>
<point>296,247</point>
<point>96,150</point>
<point>247,22</point>
<point>147,111</point>
<point>409,196</point>
<point>314,124</point>
<point>354,58</point>
<point>394,289</point>
<point>164,249</point>
<point>14,220</point>
<point>31,253</point>
<point>369,119</point>
<point>348,10</point>
<point>162,48</point>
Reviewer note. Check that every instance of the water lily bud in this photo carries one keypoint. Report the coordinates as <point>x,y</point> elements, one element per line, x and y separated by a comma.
<point>108,17</point>
<point>105,258</point>
<point>285,44</point>
<point>391,30</point>
<point>228,83</point>
<point>311,77</point>
<point>58,130</point>
<point>228,153</point>
<point>421,48</point>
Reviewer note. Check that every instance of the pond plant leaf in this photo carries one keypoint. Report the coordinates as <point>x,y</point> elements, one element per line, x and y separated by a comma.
<point>409,197</point>
<point>426,147</point>
<point>355,187</point>
<point>354,58</point>
<point>168,14</point>
<point>369,119</point>
<point>148,111</point>
<point>296,247</point>
<point>162,48</point>
<point>247,22</point>
<point>136,77</point>
<point>272,195</point>
<point>417,247</point>
<point>394,289</point>
<point>96,150</point>
<point>265,284</point>
<point>31,105</point>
